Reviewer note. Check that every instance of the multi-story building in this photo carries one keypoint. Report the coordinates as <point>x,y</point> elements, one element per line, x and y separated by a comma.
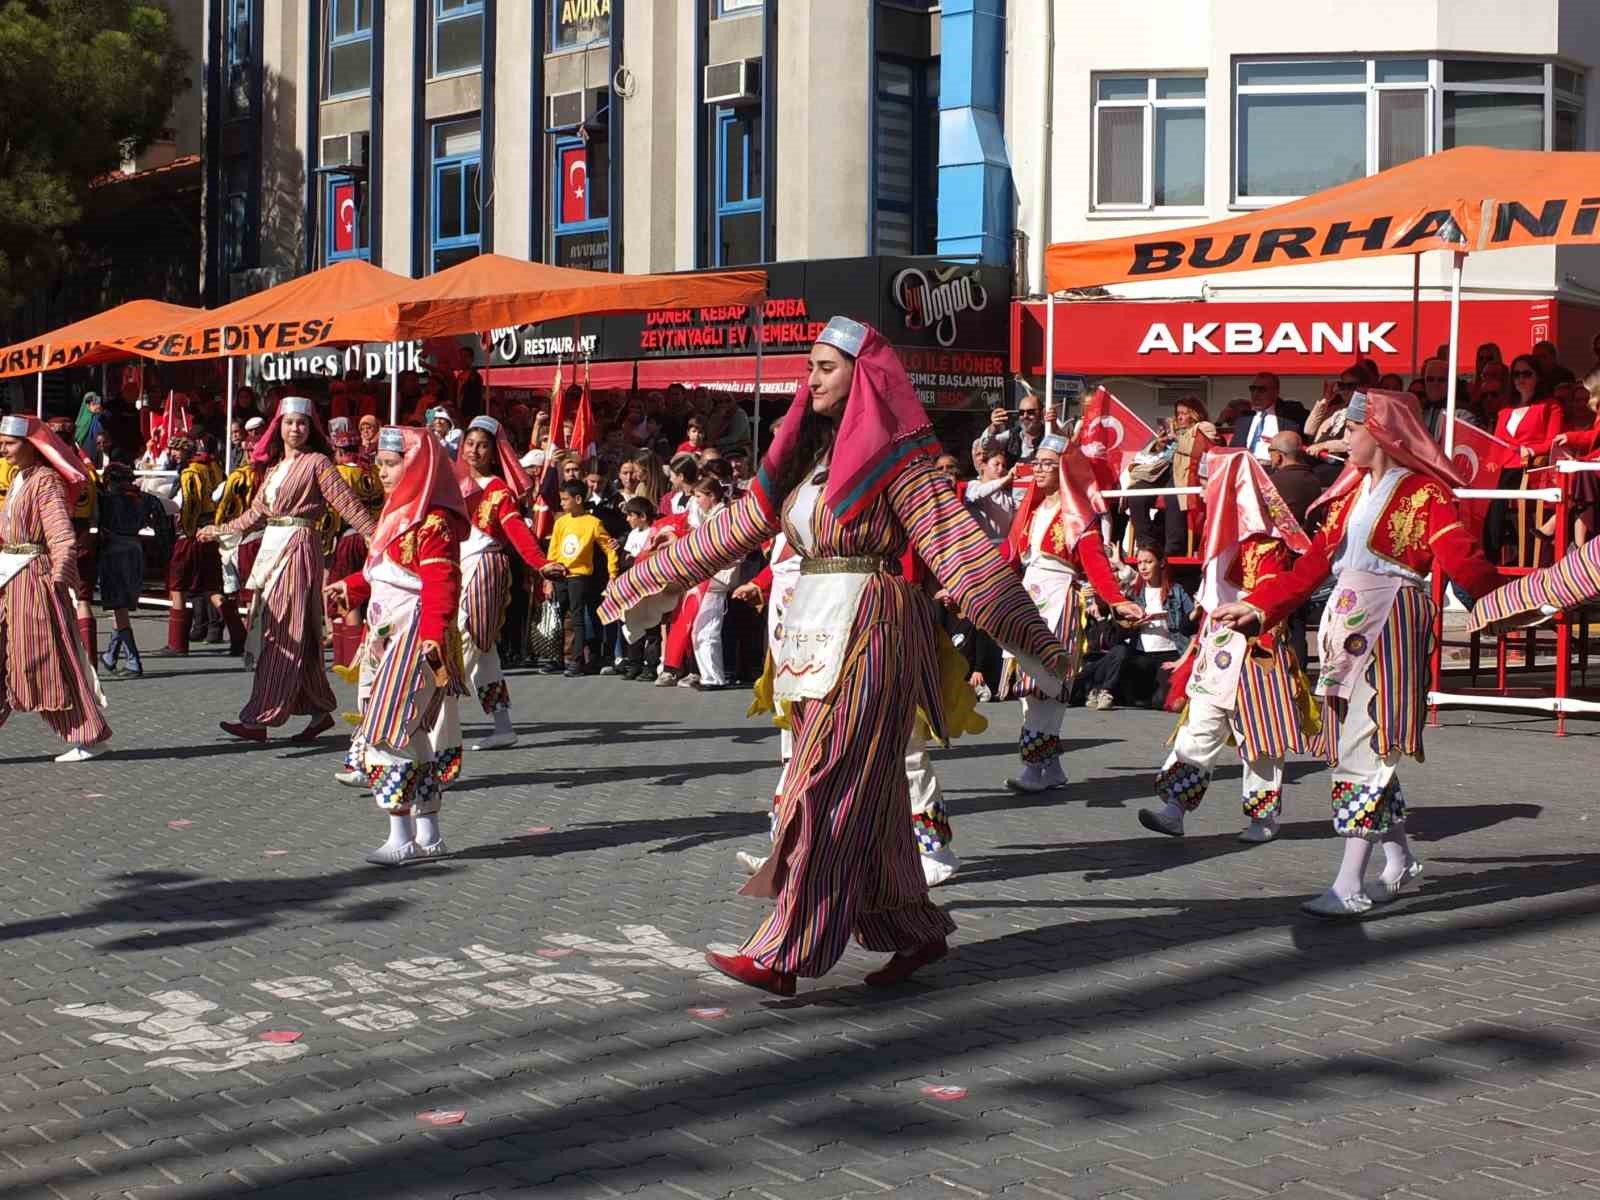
<point>1134,119</point>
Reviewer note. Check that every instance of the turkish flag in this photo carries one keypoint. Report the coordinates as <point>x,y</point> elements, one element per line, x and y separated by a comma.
<point>574,166</point>
<point>1109,432</point>
<point>583,427</point>
<point>344,218</point>
<point>1479,456</point>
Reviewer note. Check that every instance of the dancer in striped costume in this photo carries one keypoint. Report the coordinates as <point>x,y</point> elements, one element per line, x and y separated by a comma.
<point>284,642</point>
<point>411,672</point>
<point>1391,520</point>
<point>1056,540</point>
<point>344,547</point>
<point>850,480</point>
<point>1534,598</point>
<point>44,665</point>
<point>492,483</point>
<point>1247,690</point>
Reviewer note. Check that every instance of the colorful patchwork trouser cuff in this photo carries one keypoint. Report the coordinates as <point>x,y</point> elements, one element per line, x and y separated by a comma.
<point>447,766</point>
<point>1183,784</point>
<point>932,828</point>
<point>355,758</point>
<point>405,789</point>
<point>495,697</point>
<point>1039,747</point>
<point>1262,803</point>
<point>1367,810</point>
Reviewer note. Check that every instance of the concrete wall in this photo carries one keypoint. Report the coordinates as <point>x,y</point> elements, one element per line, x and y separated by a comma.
<point>651,123</point>
<point>516,136</point>
<point>285,157</point>
<point>402,209</point>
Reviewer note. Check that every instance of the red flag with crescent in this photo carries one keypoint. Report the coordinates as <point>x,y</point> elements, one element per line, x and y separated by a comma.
<point>344,218</point>
<point>1479,456</point>
<point>583,427</point>
<point>574,185</point>
<point>1109,432</point>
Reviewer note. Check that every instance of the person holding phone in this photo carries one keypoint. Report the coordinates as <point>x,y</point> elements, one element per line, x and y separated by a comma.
<point>411,664</point>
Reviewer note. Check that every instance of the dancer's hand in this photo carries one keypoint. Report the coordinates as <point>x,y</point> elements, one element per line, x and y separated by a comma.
<point>336,599</point>
<point>1128,612</point>
<point>1237,616</point>
<point>209,533</point>
<point>749,593</point>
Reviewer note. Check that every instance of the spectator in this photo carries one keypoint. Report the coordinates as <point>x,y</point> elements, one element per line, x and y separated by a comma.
<point>1583,492</point>
<point>1324,428</point>
<point>1103,635</point>
<point>653,485</point>
<point>1192,434</point>
<point>1291,473</point>
<point>1020,441</point>
<point>710,498</point>
<point>572,566</point>
<point>682,474</point>
<point>1269,415</point>
<point>1138,670</point>
<point>1550,364</point>
<point>1491,391</point>
<point>643,657</point>
<point>990,498</point>
<point>694,437</point>
<point>1435,392</point>
<point>1534,416</point>
<point>1392,382</point>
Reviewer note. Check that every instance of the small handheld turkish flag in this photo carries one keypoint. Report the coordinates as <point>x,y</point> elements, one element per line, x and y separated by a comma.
<point>1109,432</point>
<point>1479,456</point>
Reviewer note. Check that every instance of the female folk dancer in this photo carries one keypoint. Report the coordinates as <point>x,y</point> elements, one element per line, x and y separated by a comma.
<point>1056,538</point>
<point>44,665</point>
<point>1391,520</point>
<point>492,484</point>
<point>284,643</point>
<point>851,481</point>
<point>411,673</point>
<point>1248,690</point>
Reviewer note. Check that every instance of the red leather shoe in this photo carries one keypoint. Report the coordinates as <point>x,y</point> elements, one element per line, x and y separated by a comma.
<point>247,733</point>
<point>313,731</point>
<point>747,970</point>
<point>903,966</point>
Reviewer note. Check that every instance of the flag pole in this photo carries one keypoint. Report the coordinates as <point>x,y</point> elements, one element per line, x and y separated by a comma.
<point>227,439</point>
<point>394,383</point>
<point>40,394</point>
<point>755,427</point>
<point>1455,336</point>
<point>1048,402</point>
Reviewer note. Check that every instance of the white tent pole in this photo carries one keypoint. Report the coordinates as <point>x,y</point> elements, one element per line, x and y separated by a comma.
<point>40,399</point>
<point>1048,401</point>
<point>1455,334</point>
<point>394,384</point>
<point>755,428</point>
<point>1416,310</point>
<point>227,437</point>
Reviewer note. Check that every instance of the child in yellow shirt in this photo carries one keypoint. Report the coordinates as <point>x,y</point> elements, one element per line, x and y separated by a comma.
<point>571,569</point>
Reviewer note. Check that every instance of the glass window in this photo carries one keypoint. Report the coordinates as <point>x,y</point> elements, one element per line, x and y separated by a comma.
<point>1402,126</point>
<point>576,23</point>
<point>235,214</point>
<point>580,224</point>
<point>457,36</point>
<point>729,8</point>
<point>906,156</point>
<point>1150,141</point>
<point>456,198</point>
<point>239,58</point>
<point>1524,74</point>
<point>349,63</point>
<point>738,210</point>
<point>1301,74</point>
<point>1402,70</point>
<point>1278,158</point>
<point>1493,119</point>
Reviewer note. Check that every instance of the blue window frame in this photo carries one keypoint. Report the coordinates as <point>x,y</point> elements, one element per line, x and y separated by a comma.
<point>580,207</point>
<point>349,62</point>
<point>457,36</point>
<point>575,23</point>
<point>906,149</point>
<point>456,197</point>
<point>237,91</point>
<point>345,226</point>
<point>737,206</point>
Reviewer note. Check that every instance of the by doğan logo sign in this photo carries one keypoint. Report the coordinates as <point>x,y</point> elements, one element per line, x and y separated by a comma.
<point>936,303</point>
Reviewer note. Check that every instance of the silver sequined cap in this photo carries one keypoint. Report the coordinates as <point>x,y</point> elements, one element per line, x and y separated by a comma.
<point>1356,410</point>
<point>1053,441</point>
<point>844,334</point>
<point>488,424</point>
<point>13,426</point>
<point>393,439</point>
<point>294,406</point>
<point>338,425</point>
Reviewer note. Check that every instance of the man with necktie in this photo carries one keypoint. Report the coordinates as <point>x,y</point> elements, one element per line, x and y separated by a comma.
<point>1269,416</point>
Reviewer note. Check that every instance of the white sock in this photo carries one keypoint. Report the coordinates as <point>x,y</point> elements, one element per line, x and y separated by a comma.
<point>1396,854</point>
<point>399,831</point>
<point>1349,881</point>
<point>428,830</point>
<point>502,721</point>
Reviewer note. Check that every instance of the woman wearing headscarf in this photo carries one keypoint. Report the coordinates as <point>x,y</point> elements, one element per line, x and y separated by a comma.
<point>284,641</point>
<point>88,426</point>
<point>492,483</point>
<point>45,666</point>
<point>1391,520</point>
<point>1248,691</point>
<point>1055,538</point>
<point>125,510</point>
<point>411,671</point>
<point>345,548</point>
<point>851,481</point>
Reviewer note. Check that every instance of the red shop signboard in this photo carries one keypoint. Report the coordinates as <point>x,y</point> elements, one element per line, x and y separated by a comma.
<point>1100,338</point>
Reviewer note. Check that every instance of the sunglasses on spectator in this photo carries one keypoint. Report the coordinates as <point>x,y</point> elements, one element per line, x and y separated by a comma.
<point>1027,412</point>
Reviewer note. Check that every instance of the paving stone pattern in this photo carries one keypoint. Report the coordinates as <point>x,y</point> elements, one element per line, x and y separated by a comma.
<point>1122,1016</point>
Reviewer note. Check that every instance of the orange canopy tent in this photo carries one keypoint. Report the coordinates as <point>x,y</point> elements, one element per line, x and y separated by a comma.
<point>89,341</point>
<point>1472,198</point>
<point>1468,199</point>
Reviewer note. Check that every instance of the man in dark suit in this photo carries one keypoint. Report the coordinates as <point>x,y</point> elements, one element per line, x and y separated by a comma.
<point>1269,415</point>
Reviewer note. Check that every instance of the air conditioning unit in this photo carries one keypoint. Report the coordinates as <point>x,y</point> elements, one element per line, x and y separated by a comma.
<point>737,82</point>
<point>566,110</point>
<point>345,149</point>
<point>360,148</point>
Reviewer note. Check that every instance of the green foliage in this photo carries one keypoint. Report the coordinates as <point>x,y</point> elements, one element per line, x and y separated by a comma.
<point>84,84</point>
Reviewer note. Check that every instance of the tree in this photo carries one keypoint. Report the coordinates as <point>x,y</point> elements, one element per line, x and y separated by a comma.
<point>84,86</point>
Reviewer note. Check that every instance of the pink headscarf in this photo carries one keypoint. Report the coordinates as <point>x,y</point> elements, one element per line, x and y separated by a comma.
<point>261,453</point>
<point>64,461</point>
<point>427,483</point>
<point>884,426</point>
<point>1394,419</point>
<point>512,471</point>
<point>1240,503</point>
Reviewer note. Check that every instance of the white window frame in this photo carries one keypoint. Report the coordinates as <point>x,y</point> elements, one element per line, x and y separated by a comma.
<point>1149,104</point>
<point>1435,87</point>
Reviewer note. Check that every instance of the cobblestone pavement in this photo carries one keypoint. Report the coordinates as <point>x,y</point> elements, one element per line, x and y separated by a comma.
<point>206,992</point>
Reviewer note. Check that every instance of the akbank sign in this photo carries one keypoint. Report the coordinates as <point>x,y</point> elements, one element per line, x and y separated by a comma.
<point>1361,339</point>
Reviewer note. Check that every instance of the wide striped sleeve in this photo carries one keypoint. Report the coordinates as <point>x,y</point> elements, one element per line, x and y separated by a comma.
<point>963,559</point>
<point>641,596</point>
